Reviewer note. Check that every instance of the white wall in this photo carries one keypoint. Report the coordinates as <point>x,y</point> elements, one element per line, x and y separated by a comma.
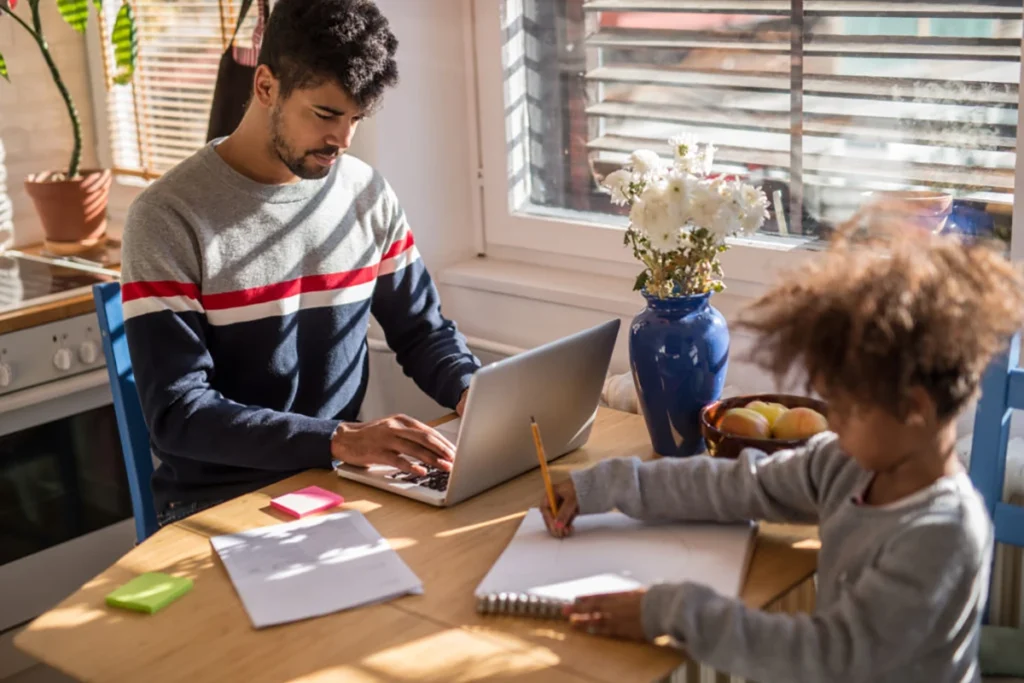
<point>34,124</point>
<point>420,140</point>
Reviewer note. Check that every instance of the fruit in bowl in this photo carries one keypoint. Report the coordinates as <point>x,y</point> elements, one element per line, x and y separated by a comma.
<point>745,422</point>
<point>771,411</point>
<point>768,422</point>
<point>799,423</point>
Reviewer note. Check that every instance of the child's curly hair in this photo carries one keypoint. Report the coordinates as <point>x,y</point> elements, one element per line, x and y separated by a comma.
<point>872,319</point>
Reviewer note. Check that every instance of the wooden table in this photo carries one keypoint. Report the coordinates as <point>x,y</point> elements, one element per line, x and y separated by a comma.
<point>207,636</point>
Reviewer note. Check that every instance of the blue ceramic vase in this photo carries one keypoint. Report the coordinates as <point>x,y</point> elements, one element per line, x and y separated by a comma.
<point>679,353</point>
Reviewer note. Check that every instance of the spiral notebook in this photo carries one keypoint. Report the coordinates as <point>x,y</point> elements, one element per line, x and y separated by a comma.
<point>537,573</point>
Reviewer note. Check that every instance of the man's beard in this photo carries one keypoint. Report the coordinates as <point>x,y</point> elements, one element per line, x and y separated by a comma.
<point>296,163</point>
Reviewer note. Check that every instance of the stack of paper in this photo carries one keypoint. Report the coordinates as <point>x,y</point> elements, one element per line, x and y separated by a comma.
<point>612,552</point>
<point>312,567</point>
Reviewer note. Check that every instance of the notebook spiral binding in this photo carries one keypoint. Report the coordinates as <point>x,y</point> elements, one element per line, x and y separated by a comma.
<point>520,605</point>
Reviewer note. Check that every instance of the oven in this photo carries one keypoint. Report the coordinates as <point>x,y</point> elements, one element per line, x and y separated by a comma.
<point>65,506</point>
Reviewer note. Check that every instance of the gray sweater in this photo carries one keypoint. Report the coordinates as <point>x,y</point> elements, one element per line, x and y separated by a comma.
<point>901,587</point>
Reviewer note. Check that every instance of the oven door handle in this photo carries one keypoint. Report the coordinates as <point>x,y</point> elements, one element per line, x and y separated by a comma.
<point>54,401</point>
<point>47,392</point>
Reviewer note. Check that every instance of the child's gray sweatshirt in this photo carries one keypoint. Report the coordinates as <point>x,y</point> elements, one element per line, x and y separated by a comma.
<point>901,587</point>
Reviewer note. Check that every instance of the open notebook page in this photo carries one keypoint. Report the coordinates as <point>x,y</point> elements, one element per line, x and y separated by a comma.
<point>611,552</point>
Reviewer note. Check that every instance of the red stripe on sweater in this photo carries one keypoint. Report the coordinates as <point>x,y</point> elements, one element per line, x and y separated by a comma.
<point>164,288</point>
<point>283,290</point>
<point>265,293</point>
<point>400,246</point>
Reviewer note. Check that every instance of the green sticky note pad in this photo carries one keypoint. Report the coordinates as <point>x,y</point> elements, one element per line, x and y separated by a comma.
<point>149,592</point>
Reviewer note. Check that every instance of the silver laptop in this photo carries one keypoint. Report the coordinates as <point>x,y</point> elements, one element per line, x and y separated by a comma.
<point>559,384</point>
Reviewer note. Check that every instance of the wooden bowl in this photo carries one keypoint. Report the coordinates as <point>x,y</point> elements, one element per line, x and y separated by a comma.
<point>722,445</point>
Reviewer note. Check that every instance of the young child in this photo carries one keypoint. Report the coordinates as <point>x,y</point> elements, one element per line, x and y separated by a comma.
<point>895,335</point>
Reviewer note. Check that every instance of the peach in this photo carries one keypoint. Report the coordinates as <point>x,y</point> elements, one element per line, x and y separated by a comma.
<point>745,422</point>
<point>799,423</point>
<point>771,411</point>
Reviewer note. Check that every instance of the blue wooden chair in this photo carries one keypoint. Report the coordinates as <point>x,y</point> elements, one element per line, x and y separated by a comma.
<point>1002,392</point>
<point>130,423</point>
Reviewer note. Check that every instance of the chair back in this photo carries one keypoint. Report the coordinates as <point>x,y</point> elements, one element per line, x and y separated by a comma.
<point>131,425</point>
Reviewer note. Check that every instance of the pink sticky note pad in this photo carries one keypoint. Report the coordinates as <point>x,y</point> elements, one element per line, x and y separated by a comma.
<point>306,501</point>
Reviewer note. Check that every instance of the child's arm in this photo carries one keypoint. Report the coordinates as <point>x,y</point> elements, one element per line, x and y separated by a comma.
<point>921,594</point>
<point>785,486</point>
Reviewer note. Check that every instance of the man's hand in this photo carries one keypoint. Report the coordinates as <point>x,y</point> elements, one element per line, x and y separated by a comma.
<point>568,508</point>
<point>385,442</point>
<point>613,614</point>
<point>461,408</point>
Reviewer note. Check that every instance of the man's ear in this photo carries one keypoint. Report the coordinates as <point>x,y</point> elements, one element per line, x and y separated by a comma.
<point>265,86</point>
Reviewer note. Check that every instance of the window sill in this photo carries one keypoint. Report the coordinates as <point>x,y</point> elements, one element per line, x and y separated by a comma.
<point>610,294</point>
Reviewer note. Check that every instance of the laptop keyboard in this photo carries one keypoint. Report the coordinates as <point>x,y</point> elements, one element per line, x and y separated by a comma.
<point>435,478</point>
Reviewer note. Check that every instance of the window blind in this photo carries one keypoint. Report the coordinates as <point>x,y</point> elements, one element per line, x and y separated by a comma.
<point>161,117</point>
<point>824,99</point>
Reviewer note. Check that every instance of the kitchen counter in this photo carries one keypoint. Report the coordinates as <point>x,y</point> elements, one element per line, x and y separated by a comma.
<point>66,307</point>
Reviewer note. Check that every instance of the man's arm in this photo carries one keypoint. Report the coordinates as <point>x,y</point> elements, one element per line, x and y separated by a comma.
<point>166,328</point>
<point>782,487</point>
<point>427,345</point>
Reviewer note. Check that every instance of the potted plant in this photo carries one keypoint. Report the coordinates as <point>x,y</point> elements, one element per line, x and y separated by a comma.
<point>72,202</point>
<point>680,216</point>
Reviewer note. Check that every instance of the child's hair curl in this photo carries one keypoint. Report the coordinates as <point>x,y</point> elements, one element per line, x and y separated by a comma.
<point>872,318</point>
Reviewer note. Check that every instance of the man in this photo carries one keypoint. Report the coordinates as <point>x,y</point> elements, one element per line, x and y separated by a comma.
<point>251,270</point>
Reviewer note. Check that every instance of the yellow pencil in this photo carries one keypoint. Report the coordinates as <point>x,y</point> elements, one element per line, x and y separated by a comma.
<point>544,466</point>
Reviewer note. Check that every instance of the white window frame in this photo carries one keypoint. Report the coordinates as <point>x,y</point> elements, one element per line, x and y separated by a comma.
<point>755,259</point>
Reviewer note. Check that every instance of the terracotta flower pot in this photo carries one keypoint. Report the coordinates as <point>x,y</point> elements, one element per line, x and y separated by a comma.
<point>71,210</point>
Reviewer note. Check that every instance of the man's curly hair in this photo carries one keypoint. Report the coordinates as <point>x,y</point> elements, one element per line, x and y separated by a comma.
<point>874,318</point>
<point>308,42</point>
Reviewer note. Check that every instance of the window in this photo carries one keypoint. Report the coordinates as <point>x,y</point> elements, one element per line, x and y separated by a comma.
<point>822,102</point>
<point>161,117</point>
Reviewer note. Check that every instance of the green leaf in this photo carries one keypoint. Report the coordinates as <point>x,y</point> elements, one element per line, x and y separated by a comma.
<point>75,12</point>
<point>3,69</point>
<point>641,281</point>
<point>126,44</point>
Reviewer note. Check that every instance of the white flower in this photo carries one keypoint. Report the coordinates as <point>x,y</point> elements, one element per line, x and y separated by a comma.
<point>705,160</point>
<point>690,156</point>
<point>755,208</point>
<point>678,185</point>
<point>658,215</point>
<point>702,204</point>
<point>618,184</point>
<point>646,164</point>
<point>683,146</point>
<point>728,219</point>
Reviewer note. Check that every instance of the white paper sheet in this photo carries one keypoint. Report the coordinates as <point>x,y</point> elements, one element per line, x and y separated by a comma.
<point>611,552</point>
<point>312,567</point>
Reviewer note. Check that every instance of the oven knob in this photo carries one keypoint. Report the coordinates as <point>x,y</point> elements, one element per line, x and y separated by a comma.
<point>62,359</point>
<point>6,375</point>
<point>87,352</point>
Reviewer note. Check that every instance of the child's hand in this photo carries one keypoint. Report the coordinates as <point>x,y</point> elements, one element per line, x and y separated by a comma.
<point>612,614</point>
<point>568,508</point>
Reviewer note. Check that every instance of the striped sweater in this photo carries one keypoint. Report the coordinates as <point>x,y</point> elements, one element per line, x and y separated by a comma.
<point>246,310</point>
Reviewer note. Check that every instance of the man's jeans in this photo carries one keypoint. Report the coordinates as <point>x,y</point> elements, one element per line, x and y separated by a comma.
<point>176,511</point>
